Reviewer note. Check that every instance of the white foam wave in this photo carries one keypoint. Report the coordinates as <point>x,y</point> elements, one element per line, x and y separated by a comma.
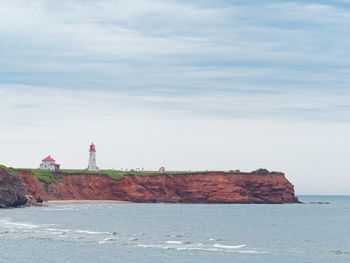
<point>174,236</point>
<point>193,246</point>
<point>228,247</point>
<point>174,242</point>
<point>198,248</point>
<point>25,230</point>
<point>91,232</point>
<point>108,241</point>
<point>154,246</point>
<point>7,223</point>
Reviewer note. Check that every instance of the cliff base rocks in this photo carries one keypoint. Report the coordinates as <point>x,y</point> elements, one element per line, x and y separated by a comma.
<point>12,190</point>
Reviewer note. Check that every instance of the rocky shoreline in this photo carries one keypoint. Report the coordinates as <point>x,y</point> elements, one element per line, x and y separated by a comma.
<point>12,190</point>
<point>204,187</point>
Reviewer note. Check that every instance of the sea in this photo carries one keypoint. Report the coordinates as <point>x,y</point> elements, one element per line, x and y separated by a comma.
<point>134,232</point>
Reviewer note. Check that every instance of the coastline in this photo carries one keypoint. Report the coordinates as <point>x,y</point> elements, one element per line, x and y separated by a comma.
<point>198,187</point>
<point>61,202</point>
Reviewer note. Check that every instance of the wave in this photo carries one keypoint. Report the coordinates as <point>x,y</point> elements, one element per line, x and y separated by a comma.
<point>214,239</point>
<point>204,249</point>
<point>154,246</point>
<point>228,247</point>
<point>24,230</point>
<point>198,248</point>
<point>174,242</point>
<point>108,241</point>
<point>186,243</point>
<point>32,231</point>
<point>92,232</point>
<point>8,223</point>
<point>174,236</point>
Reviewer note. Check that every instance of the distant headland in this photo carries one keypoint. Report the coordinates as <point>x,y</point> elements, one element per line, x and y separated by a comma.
<point>34,186</point>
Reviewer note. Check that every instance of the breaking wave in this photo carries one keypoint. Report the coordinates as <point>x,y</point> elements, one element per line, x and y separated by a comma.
<point>228,247</point>
<point>197,246</point>
<point>24,230</point>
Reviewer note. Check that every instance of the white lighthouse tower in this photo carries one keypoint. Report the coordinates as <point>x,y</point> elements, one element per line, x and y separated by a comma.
<point>92,158</point>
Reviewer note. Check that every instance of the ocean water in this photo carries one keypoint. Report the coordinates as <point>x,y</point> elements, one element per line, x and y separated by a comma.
<point>110,232</point>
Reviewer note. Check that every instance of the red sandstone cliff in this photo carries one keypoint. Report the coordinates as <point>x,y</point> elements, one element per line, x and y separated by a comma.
<point>211,187</point>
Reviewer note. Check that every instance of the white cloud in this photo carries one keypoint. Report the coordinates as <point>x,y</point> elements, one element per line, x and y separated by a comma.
<point>111,39</point>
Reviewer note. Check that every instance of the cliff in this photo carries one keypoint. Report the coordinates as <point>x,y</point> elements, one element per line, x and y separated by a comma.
<point>208,187</point>
<point>12,190</point>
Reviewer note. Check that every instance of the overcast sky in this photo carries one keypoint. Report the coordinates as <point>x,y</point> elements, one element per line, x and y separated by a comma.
<point>192,85</point>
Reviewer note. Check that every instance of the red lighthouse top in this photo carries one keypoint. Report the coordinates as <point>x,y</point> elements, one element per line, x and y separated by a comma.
<point>92,147</point>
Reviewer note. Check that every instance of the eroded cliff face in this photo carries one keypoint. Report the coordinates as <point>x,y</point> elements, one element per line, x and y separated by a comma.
<point>211,187</point>
<point>12,190</point>
<point>207,188</point>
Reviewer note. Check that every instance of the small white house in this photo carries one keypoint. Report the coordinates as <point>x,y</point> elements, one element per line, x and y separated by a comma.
<point>49,164</point>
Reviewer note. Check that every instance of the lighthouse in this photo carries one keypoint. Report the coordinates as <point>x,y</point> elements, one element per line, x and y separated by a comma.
<point>92,158</point>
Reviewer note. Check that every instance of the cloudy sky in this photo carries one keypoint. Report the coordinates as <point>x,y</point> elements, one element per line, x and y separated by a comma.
<point>192,85</point>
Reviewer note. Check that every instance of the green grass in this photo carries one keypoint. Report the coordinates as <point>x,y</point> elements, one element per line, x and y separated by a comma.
<point>114,174</point>
<point>9,169</point>
<point>44,176</point>
<point>117,174</point>
<point>47,177</point>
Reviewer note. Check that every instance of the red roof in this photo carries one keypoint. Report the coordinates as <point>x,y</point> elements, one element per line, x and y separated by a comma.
<point>56,164</point>
<point>48,159</point>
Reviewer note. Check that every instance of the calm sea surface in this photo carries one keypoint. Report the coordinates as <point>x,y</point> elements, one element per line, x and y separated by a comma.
<point>178,232</point>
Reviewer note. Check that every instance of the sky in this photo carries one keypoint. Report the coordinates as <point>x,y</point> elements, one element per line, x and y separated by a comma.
<point>185,84</point>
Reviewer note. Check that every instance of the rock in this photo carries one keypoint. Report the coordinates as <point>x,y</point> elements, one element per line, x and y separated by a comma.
<point>39,199</point>
<point>35,188</point>
<point>31,201</point>
<point>12,190</point>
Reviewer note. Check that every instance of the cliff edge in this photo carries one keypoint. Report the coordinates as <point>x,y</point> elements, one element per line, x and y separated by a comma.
<point>12,190</point>
<point>206,187</point>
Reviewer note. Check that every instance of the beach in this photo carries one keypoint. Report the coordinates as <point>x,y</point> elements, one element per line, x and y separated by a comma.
<point>62,202</point>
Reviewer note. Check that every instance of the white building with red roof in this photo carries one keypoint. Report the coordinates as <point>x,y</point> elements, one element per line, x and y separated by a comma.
<point>49,164</point>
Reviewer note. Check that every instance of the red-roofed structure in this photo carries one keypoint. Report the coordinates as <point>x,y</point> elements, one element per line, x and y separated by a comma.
<point>48,159</point>
<point>49,164</point>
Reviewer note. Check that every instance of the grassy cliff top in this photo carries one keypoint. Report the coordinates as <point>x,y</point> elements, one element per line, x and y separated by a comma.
<point>51,176</point>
